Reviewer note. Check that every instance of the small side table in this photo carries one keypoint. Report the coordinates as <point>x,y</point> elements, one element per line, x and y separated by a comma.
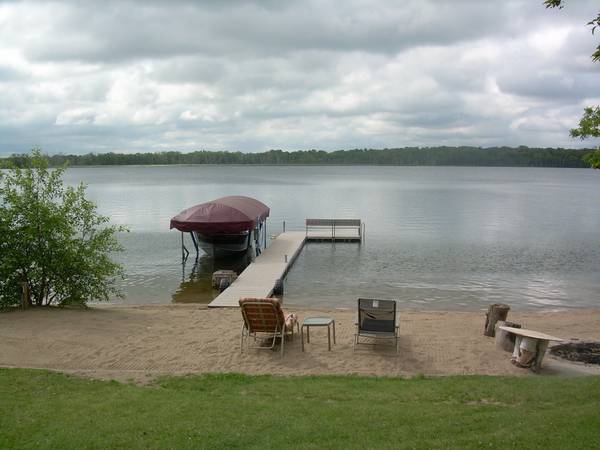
<point>318,322</point>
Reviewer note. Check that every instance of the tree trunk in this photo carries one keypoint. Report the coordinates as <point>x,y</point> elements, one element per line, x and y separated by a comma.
<point>25,300</point>
<point>496,312</point>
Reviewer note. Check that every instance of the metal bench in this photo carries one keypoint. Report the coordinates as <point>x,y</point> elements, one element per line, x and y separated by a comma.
<point>331,225</point>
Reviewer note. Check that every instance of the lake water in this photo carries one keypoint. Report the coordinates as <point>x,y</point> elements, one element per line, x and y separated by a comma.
<point>436,237</point>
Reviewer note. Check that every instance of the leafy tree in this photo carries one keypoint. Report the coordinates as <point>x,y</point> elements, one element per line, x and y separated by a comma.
<point>593,159</point>
<point>589,125</point>
<point>53,239</point>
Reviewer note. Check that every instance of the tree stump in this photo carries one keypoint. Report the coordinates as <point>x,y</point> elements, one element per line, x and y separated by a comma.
<point>496,312</point>
<point>505,340</point>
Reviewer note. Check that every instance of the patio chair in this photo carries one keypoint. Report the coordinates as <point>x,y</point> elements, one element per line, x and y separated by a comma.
<point>264,318</point>
<point>376,320</point>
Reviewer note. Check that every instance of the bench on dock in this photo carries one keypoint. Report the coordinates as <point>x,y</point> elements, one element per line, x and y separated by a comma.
<point>334,229</point>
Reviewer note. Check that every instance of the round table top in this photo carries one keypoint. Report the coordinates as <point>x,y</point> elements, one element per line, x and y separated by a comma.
<point>317,321</point>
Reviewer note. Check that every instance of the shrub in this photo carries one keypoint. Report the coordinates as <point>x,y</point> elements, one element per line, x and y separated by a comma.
<point>53,239</point>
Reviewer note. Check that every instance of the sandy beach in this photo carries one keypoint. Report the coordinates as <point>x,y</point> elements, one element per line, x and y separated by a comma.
<point>143,342</point>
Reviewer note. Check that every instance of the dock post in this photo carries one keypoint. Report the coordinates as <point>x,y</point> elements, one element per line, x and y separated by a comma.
<point>284,226</point>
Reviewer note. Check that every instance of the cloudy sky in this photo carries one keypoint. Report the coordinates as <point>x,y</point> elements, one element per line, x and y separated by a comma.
<point>81,76</point>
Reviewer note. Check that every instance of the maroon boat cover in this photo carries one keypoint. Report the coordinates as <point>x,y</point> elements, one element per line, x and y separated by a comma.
<point>224,215</point>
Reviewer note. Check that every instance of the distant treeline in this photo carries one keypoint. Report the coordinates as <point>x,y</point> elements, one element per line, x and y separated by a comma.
<point>407,156</point>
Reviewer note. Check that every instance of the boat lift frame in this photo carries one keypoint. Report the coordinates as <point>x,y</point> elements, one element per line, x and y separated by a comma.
<point>185,253</point>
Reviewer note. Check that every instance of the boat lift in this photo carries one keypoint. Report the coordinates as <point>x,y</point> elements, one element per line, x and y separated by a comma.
<point>262,236</point>
<point>226,216</point>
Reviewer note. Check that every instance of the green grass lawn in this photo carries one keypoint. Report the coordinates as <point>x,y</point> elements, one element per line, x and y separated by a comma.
<point>40,409</point>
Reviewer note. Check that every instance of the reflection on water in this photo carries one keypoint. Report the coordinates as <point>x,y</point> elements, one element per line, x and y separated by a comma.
<point>437,237</point>
<point>443,276</point>
<point>196,277</point>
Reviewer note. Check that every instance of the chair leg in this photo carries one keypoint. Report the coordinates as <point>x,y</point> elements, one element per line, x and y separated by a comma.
<point>242,339</point>
<point>274,341</point>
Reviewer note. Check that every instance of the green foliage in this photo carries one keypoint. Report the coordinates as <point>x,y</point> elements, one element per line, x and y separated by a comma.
<point>409,156</point>
<point>589,124</point>
<point>593,159</point>
<point>53,239</point>
<point>50,410</point>
<point>553,3</point>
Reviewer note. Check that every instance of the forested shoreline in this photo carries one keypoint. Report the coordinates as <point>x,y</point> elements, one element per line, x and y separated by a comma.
<point>407,156</point>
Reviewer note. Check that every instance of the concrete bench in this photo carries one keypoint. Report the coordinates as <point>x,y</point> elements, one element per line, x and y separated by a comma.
<point>539,342</point>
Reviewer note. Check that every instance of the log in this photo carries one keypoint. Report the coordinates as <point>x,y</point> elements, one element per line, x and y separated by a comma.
<point>505,340</point>
<point>496,312</point>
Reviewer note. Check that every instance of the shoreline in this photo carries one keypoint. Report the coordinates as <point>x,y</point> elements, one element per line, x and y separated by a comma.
<point>145,341</point>
<point>293,306</point>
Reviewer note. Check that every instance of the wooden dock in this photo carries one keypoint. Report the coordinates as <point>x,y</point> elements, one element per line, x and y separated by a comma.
<point>259,278</point>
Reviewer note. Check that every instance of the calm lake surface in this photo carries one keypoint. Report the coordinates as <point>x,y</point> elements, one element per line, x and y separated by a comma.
<point>436,237</point>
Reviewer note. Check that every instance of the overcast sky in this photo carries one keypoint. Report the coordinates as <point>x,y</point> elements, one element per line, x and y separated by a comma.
<point>81,76</point>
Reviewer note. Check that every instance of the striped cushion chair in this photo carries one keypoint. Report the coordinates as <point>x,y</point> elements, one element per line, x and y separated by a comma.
<point>264,318</point>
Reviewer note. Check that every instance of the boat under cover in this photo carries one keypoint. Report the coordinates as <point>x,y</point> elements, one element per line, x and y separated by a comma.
<point>226,215</point>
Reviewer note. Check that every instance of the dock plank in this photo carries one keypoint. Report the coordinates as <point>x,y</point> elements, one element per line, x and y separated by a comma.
<point>260,276</point>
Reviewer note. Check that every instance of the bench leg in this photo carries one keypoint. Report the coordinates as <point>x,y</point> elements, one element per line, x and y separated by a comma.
<point>539,356</point>
<point>515,355</point>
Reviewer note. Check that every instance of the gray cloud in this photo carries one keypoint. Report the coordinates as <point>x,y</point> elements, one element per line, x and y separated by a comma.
<point>141,76</point>
<point>117,31</point>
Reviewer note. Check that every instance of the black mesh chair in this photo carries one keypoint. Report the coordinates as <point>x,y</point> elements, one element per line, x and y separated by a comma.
<point>376,320</point>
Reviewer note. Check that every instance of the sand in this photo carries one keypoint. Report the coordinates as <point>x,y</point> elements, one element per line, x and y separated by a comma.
<point>140,343</point>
